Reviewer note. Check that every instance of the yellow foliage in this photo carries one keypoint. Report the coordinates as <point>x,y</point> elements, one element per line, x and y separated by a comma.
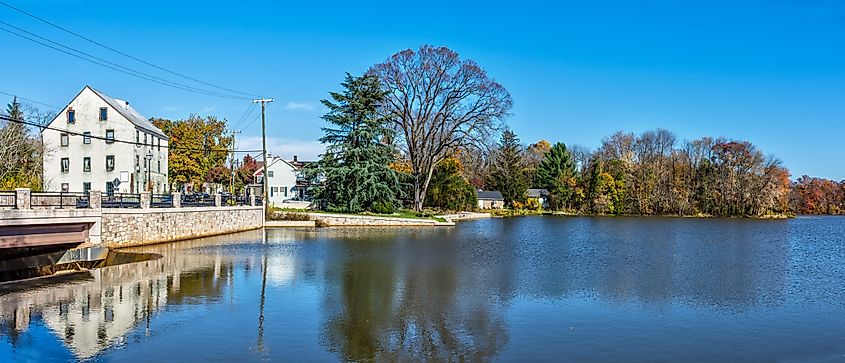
<point>401,166</point>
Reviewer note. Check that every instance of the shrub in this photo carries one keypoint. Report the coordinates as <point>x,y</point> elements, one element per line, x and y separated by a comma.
<point>384,207</point>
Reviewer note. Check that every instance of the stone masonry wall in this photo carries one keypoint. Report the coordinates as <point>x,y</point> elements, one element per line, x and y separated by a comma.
<point>125,227</point>
<point>377,221</point>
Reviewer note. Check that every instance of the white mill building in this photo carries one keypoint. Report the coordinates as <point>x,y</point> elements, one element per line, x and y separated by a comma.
<point>131,158</point>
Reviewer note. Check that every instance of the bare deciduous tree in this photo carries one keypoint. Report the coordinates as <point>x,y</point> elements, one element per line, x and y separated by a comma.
<point>439,104</point>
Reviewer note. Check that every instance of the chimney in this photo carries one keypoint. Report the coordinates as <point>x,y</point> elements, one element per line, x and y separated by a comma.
<point>127,104</point>
<point>294,158</point>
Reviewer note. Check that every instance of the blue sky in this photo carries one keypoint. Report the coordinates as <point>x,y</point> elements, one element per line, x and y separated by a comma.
<point>772,72</point>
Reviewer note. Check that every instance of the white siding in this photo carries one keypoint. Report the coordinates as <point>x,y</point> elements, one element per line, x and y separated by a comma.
<point>283,179</point>
<point>87,108</point>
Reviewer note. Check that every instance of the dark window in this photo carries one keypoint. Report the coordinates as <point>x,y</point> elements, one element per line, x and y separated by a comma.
<point>137,163</point>
<point>109,136</point>
<point>65,165</point>
<point>270,174</point>
<point>86,137</point>
<point>65,140</point>
<point>285,191</point>
<point>86,164</point>
<point>65,187</point>
<point>86,187</point>
<point>145,139</point>
<point>159,145</point>
<point>109,188</point>
<point>109,162</point>
<point>104,113</point>
<point>71,116</point>
<point>159,166</point>
<point>137,137</point>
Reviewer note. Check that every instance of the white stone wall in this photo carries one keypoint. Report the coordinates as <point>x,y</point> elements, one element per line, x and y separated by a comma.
<point>122,227</point>
<point>324,219</point>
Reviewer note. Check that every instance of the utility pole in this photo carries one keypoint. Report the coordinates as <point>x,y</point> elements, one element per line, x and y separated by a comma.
<point>264,187</point>
<point>232,165</point>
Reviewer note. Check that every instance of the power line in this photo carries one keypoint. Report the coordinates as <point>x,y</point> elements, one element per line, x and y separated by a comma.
<point>122,53</point>
<point>113,140</point>
<point>27,99</point>
<point>253,120</point>
<point>110,65</point>
<point>244,116</point>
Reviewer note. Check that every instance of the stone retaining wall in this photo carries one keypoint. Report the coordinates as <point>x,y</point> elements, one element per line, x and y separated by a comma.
<point>324,219</point>
<point>287,224</point>
<point>127,227</point>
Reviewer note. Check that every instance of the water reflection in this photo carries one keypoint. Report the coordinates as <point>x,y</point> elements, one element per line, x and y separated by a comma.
<point>93,310</point>
<point>391,300</point>
<point>485,289</point>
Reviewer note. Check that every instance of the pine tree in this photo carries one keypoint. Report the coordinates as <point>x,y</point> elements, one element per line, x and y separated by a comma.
<point>509,176</point>
<point>556,173</point>
<point>356,165</point>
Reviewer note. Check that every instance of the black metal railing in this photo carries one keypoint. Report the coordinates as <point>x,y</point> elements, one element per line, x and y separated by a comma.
<point>234,200</point>
<point>8,199</point>
<point>197,200</point>
<point>59,200</point>
<point>121,200</point>
<point>161,201</point>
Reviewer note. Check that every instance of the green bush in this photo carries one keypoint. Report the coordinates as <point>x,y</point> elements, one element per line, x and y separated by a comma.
<point>384,207</point>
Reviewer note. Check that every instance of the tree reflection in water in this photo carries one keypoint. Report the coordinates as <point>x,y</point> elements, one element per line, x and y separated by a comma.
<point>394,295</point>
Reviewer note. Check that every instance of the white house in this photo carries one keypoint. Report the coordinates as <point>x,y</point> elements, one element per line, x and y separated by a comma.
<point>281,179</point>
<point>104,144</point>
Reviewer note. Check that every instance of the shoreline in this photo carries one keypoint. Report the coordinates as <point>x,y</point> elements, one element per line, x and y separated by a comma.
<point>692,216</point>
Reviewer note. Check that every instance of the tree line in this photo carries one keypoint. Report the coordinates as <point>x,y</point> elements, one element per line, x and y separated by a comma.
<point>416,131</point>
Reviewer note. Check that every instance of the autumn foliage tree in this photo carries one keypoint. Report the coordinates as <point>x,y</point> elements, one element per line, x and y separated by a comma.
<point>818,196</point>
<point>449,190</point>
<point>198,149</point>
<point>438,103</point>
<point>20,152</point>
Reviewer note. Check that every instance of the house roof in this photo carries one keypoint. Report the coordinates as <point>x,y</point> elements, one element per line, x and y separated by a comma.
<point>537,193</point>
<point>129,113</point>
<point>273,161</point>
<point>490,195</point>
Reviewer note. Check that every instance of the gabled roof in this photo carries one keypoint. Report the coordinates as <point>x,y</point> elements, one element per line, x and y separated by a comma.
<point>272,162</point>
<point>490,195</point>
<point>129,113</point>
<point>537,193</point>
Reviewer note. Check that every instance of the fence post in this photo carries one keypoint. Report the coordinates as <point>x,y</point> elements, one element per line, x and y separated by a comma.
<point>252,201</point>
<point>177,199</point>
<point>95,199</point>
<point>146,198</point>
<point>22,196</point>
<point>218,200</point>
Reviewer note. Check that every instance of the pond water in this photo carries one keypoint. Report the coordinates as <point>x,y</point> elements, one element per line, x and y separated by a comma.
<point>520,289</point>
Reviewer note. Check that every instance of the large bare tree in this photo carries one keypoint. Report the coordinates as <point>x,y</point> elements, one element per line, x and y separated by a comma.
<point>439,104</point>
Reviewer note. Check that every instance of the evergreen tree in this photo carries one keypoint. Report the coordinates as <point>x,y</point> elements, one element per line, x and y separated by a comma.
<point>356,165</point>
<point>556,173</point>
<point>508,176</point>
